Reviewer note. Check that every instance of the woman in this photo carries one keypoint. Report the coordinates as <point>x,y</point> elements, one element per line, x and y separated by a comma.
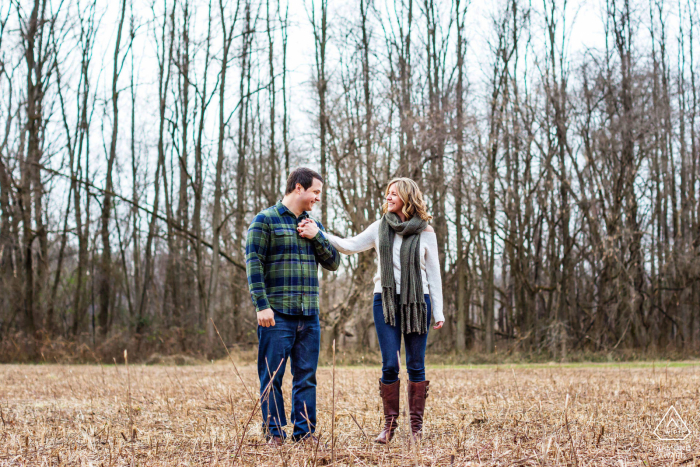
<point>407,290</point>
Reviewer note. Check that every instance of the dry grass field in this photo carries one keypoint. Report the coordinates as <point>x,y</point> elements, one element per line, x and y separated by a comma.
<point>201,415</point>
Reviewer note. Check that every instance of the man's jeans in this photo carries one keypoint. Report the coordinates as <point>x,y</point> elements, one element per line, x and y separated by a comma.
<point>298,337</point>
<point>390,344</point>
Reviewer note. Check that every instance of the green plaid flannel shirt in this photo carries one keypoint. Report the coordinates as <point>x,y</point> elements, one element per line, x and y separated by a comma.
<point>282,266</point>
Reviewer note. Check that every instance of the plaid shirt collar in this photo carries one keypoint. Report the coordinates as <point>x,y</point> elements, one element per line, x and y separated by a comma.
<point>282,210</point>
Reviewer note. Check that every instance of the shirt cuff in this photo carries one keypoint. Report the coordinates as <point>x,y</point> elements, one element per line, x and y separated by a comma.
<point>320,236</point>
<point>261,304</point>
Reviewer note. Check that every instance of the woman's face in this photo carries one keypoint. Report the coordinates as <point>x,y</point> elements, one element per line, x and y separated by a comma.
<point>393,202</point>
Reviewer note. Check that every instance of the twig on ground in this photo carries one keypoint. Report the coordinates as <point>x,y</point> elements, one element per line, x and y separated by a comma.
<point>128,395</point>
<point>333,414</point>
<point>358,426</point>
<point>571,439</point>
<point>232,362</point>
<point>252,414</point>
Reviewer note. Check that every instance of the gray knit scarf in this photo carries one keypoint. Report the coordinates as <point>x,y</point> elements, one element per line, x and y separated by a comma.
<point>414,312</point>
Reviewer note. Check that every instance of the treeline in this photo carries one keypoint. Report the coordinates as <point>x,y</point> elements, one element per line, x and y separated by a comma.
<point>137,140</point>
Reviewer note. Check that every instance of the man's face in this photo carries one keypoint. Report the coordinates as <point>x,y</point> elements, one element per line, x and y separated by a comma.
<point>311,196</point>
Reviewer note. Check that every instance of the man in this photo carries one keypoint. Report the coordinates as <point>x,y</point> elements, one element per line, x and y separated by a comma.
<point>282,258</point>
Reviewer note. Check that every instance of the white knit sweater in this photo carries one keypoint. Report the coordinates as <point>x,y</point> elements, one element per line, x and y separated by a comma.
<point>429,262</point>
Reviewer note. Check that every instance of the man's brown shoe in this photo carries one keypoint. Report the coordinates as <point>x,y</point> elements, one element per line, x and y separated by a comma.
<point>309,441</point>
<point>275,441</point>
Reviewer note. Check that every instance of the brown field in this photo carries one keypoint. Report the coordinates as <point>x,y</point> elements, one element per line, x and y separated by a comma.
<point>200,415</point>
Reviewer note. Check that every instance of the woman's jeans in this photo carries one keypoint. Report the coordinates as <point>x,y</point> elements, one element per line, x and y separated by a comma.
<point>390,344</point>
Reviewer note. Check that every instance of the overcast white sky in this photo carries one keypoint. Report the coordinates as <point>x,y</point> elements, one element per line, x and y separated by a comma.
<point>585,29</point>
<point>584,25</point>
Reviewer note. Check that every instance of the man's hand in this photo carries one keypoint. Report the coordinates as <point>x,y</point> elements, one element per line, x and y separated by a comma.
<point>438,325</point>
<point>266,318</point>
<point>307,228</point>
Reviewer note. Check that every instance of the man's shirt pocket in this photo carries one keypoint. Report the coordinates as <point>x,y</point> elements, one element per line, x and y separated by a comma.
<point>284,242</point>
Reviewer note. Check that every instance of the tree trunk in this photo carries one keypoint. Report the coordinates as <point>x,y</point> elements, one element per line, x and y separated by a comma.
<point>105,280</point>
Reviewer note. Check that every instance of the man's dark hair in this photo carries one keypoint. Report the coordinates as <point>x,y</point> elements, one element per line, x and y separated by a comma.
<point>302,176</point>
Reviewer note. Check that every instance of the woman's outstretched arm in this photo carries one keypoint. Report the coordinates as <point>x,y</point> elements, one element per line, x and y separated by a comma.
<point>361,242</point>
<point>432,272</point>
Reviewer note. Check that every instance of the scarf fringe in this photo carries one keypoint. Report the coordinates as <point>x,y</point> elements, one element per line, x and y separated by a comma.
<point>414,318</point>
<point>388,308</point>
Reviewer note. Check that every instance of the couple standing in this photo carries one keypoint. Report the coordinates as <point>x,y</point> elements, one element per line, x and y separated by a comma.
<point>283,250</point>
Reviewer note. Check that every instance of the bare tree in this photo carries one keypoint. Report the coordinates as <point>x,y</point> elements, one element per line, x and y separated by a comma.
<point>320,31</point>
<point>227,39</point>
<point>106,257</point>
<point>460,11</point>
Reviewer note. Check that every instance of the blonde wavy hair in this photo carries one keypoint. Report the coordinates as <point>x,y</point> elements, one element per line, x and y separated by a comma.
<point>412,197</point>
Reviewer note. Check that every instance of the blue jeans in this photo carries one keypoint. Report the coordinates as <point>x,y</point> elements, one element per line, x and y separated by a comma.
<point>298,337</point>
<point>389,338</point>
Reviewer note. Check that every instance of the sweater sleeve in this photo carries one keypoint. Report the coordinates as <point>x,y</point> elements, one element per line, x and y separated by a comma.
<point>361,242</point>
<point>432,272</point>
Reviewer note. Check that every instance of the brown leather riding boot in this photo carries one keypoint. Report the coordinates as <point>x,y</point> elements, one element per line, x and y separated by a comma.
<point>390,394</point>
<point>417,393</point>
